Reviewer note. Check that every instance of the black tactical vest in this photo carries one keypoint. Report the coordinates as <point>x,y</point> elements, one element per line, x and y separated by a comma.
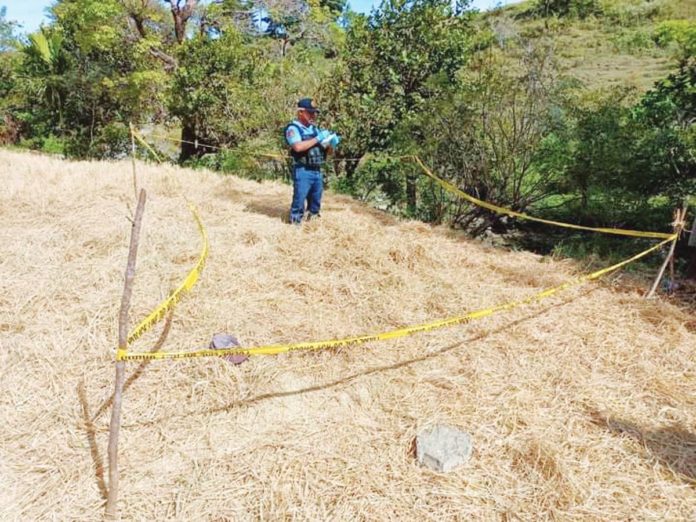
<point>312,158</point>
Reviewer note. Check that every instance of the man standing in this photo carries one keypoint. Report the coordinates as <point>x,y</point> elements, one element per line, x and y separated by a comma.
<point>309,146</point>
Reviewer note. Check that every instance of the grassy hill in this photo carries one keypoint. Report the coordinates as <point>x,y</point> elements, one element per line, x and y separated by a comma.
<point>617,45</point>
<point>581,407</point>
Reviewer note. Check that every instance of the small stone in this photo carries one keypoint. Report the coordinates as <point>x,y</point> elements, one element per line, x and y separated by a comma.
<point>221,341</point>
<point>443,448</point>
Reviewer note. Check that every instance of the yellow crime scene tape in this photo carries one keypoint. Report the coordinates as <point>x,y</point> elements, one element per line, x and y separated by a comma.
<point>145,144</point>
<point>275,349</point>
<point>186,285</point>
<point>197,144</point>
<point>450,188</point>
<point>512,213</point>
<point>160,311</point>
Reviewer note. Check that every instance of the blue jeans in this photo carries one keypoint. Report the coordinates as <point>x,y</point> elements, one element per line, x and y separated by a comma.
<point>308,185</point>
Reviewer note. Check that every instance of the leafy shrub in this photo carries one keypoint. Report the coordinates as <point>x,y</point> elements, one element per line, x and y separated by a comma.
<point>633,41</point>
<point>629,13</point>
<point>566,8</point>
<point>53,145</point>
<point>242,162</point>
<point>681,33</point>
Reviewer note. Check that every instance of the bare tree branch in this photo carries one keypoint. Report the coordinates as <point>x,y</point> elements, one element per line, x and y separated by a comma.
<point>115,425</point>
<point>181,15</point>
<point>170,62</point>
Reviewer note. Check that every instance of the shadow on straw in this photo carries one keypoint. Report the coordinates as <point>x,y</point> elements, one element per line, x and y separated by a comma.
<point>270,207</point>
<point>279,209</point>
<point>88,420</point>
<point>672,446</point>
<point>140,369</point>
<point>91,431</point>
<point>370,371</point>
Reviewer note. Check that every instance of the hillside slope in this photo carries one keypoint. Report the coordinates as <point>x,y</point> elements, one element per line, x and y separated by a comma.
<point>617,46</point>
<point>580,407</point>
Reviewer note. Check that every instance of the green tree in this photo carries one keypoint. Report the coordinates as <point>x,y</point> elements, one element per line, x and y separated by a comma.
<point>81,67</point>
<point>44,70</point>
<point>601,137</point>
<point>397,61</point>
<point>102,63</point>
<point>91,71</point>
<point>8,38</point>
<point>666,146</point>
<point>9,43</point>
<point>213,88</point>
<point>630,162</point>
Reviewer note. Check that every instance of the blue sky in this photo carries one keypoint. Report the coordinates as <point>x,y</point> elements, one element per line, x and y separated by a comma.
<point>30,13</point>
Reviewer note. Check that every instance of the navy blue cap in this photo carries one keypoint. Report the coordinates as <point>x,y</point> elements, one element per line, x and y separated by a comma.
<point>307,104</point>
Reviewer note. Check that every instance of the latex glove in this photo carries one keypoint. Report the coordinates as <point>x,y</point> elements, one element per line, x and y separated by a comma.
<point>326,142</point>
<point>335,141</point>
<point>322,135</point>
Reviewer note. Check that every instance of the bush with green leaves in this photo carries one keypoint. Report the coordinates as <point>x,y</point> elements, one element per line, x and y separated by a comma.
<point>665,156</point>
<point>73,81</point>
<point>489,138</point>
<point>566,8</point>
<point>633,41</point>
<point>629,162</point>
<point>630,13</point>
<point>680,33</point>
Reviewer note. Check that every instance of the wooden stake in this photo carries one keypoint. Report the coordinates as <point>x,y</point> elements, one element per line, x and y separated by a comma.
<point>679,216</point>
<point>115,425</point>
<point>135,177</point>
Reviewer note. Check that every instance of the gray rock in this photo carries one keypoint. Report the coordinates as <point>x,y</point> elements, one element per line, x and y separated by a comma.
<point>443,448</point>
<point>222,340</point>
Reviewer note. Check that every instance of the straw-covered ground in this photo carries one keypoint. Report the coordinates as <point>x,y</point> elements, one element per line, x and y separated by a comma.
<point>580,407</point>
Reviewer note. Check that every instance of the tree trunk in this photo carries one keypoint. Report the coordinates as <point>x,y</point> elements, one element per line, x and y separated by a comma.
<point>351,166</point>
<point>181,15</point>
<point>411,194</point>
<point>179,29</point>
<point>188,139</point>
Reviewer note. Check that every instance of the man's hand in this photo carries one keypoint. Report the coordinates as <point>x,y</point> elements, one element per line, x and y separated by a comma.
<point>328,140</point>
<point>302,146</point>
<point>322,135</point>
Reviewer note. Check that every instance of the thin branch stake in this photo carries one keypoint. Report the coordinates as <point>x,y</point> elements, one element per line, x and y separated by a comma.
<point>671,287</point>
<point>135,177</point>
<point>115,425</point>
<point>679,216</point>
